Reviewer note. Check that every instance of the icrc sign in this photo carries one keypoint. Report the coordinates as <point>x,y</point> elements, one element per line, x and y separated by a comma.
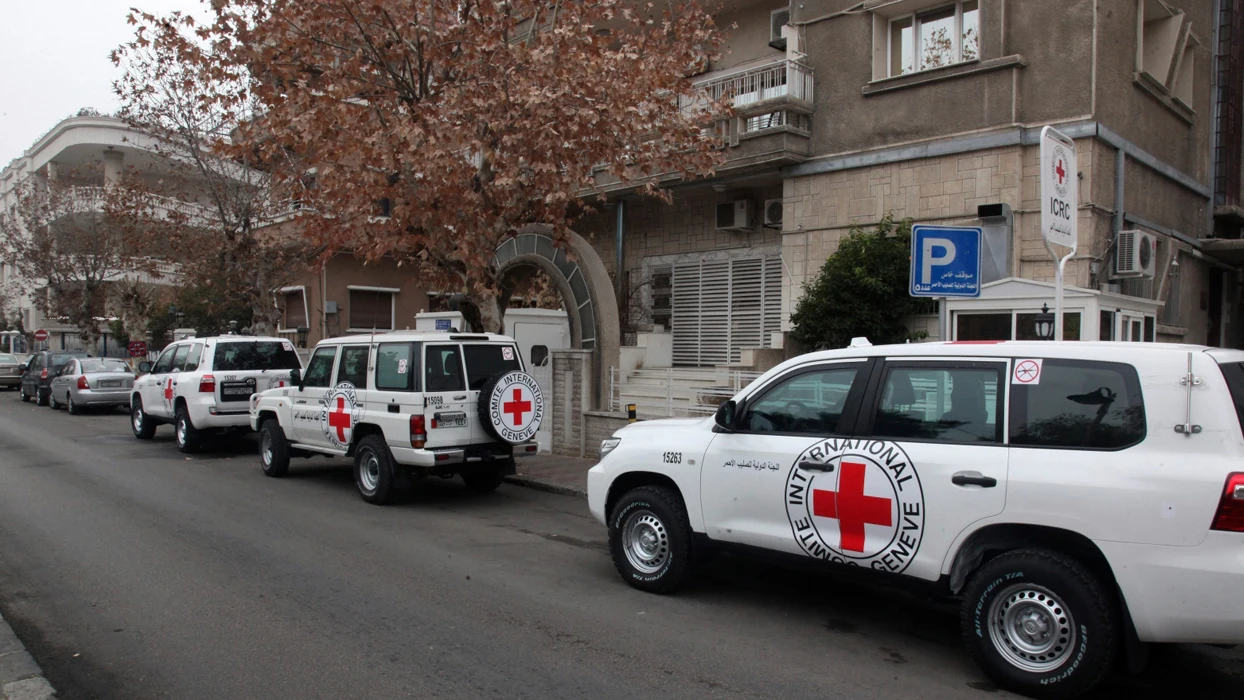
<point>1060,188</point>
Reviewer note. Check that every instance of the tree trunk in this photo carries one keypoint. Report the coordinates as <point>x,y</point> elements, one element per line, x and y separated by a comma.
<point>483,312</point>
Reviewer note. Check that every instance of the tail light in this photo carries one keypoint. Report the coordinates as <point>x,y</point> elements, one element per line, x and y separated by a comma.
<point>82,383</point>
<point>207,384</point>
<point>44,373</point>
<point>1230,516</point>
<point>418,435</point>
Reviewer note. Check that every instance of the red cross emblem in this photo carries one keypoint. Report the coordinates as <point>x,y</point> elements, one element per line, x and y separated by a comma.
<point>338,418</point>
<point>1060,170</point>
<point>168,389</point>
<point>851,508</point>
<point>517,407</point>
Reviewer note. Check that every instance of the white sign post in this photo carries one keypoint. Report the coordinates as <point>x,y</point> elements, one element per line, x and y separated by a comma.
<point>1060,198</point>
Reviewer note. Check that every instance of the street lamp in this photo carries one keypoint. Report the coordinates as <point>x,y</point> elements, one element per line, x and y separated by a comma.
<point>302,336</point>
<point>1044,323</point>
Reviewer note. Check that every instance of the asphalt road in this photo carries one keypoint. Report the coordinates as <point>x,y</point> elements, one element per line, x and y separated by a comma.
<point>133,572</point>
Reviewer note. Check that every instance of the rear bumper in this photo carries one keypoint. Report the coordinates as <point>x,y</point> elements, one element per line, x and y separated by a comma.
<point>96,397</point>
<point>470,454</point>
<point>1183,594</point>
<point>206,414</point>
<point>15,380</point>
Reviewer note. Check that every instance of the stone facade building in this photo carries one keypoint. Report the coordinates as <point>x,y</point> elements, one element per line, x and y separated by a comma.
<point>849,111</point>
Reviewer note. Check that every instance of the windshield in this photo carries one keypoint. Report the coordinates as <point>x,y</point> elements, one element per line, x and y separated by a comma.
<point>260,355</point>
<point>104,366</point>
<point>8,359</point>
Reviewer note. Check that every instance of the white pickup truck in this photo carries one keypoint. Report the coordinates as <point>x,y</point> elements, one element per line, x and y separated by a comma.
<point>405,405</point>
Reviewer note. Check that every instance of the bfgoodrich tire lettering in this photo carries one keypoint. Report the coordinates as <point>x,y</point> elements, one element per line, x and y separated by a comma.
<point>650,539</point>
<point>1040,623</point>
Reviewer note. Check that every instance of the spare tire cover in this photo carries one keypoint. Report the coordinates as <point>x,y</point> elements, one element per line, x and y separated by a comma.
<point>511,407</point>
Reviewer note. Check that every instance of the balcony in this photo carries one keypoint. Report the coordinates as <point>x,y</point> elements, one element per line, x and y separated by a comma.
<point>771,124</point>
<point>92,199</point>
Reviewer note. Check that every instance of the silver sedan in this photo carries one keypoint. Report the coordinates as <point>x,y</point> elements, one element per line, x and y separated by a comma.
<point>92,381</point>
<point>11,370</point>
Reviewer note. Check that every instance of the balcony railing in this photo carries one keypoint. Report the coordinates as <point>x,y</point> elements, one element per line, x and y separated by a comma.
<point>787,83</point>
<point>83,199</point>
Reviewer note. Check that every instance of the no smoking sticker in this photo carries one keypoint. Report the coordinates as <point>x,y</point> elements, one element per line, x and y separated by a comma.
<point>507,354</point>
<point>1026,372</point>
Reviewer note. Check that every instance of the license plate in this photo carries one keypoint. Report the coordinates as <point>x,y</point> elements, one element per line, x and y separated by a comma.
<point>450,420</point>
<point>109,383</point>
<point>236,391</point>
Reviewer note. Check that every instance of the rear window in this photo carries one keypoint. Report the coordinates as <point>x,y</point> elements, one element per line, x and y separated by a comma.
<point>397,367</point>
<point>61,359</point>
<point>484,361</point>
<point>103,366</point>
<point>1081,405</point>
<point>8,359</point>
<point>259,355</point>
<point>1233,372</point>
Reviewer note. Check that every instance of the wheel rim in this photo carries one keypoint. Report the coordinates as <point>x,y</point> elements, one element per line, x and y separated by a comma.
<point>646,542</point>
<point>265,448</point>
<point>138,419</point>
<point>369,471</point>
<point>1032,628</point>
<point>181,431</point>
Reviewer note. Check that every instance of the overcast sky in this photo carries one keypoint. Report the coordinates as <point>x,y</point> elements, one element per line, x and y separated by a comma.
<point>54,55</point>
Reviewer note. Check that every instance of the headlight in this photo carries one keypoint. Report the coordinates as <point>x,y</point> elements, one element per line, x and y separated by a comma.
<point>606,446</point>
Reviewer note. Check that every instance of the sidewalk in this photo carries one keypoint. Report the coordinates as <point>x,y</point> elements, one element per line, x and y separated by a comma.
<point>555,473</point>
<point>20,676</point>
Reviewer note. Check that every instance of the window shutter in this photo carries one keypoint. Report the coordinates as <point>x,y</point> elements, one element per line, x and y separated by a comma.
<point>371,310</point>
<point>722,307</point>
<point>295,311</point>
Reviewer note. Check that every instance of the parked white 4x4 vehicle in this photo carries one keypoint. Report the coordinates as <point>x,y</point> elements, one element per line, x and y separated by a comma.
<point>405,405</point>
<point>1080,499</point>
<point>202,385</point>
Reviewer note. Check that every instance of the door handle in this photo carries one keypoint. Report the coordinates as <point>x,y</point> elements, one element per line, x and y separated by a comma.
<point>973,479</point>
<point>814,466</point>
<point>460,398</point>
<point>301,401</point>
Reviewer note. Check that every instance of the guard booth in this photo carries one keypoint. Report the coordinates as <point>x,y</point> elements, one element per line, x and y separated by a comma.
<point>1007,310</point>
<point>538,333</point>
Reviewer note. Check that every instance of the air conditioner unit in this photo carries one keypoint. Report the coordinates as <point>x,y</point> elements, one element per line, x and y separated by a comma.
<point>735,216</point>
<point>777,20</point>
<point>773,213</point>
<point>1135,255</point>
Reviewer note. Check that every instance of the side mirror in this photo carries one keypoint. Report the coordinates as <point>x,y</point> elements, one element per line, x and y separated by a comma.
<point>726,415</point>
<point>144,367</point>
<point>295,378</point>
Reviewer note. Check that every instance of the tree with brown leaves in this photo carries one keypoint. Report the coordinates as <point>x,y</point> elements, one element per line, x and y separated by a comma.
<point>432,131</point>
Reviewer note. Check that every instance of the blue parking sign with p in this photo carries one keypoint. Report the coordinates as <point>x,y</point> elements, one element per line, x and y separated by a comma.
<point>945,261</point>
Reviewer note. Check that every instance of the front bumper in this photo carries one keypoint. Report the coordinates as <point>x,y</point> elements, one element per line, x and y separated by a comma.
<point>1183,594</point>
<point>598,482</point>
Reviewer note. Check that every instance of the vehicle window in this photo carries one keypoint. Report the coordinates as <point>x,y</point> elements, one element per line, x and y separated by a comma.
<point>58,360</point>
<point>485,361</point>
<point>397,367</point>
<point>8,359</point>
<point>1233,372</point>
<point>102,365</point>
<point>165,363</point>
<point>1093,405</point>
<point>948,404</point>
<point>249,356</point>
<point>539,355</point>
<point>67,369</point>
<point>443,369</point>
<point>809,403</point>
<point>353,367</point>
<point>320,368</point>
<point>192,360</point>
<point>179,360</point>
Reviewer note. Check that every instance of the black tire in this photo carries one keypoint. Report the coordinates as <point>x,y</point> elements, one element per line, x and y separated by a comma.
<point>273,449</point>
<point>74,409</point>
<point>22,391</point>
<point>41,399</point>
<point>656,515</point>
<point>189,439</point>
<point>1074,632</point>
<point>484,478</point>
<point>144,428</point>
<point>52,402</point>
<point>373,470</point>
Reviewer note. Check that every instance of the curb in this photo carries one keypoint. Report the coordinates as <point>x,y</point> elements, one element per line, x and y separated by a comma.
<point>543,485</point>
<point>20,677</point>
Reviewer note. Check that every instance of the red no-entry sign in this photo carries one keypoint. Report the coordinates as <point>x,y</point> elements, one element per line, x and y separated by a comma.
<point>41,335</point>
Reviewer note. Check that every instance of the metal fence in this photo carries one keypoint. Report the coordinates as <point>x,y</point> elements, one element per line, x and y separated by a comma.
<point>675,392</point>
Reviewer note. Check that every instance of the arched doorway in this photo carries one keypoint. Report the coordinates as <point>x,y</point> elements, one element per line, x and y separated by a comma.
<point>585,288</point>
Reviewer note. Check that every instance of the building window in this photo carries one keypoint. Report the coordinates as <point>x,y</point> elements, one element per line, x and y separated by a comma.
<point>293,308</point>
<point>1009,325</point>
<point>372,309</point>
<point>933,38</point>
<point>1164,51</point>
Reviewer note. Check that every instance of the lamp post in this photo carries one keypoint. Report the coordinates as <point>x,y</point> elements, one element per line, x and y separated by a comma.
<point>302,336</point>
<point>1044,323</point>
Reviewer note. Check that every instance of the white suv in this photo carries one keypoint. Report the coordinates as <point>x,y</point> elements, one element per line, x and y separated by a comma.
<point>1080,499</point>
<point>205,384</point>
<point>405,405</point>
